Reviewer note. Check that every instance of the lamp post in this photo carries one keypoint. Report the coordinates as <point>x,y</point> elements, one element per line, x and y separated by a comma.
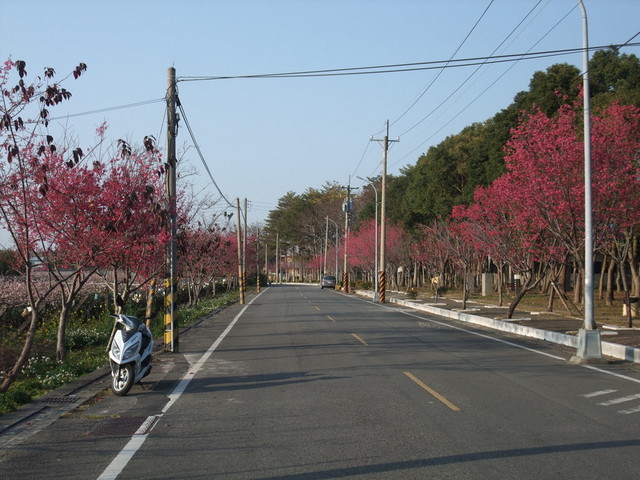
<point>589,345</point>
<point>337,244</point>
<point>346,207</point>
<point>375,275</point>
<point>277,257</point>
<point>326,245</point>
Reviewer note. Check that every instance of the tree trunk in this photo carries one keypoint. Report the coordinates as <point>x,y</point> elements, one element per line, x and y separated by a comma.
<point>610,291</point>
<point>61,348</point>
<point>577,286</point>
<point>500,283</point>
<point>603,268</point>
<point>13,372</point>
<point>552,296</point>
<point>115,289</point>
<point>633,267</point>
<point>514,303</point>
<point>465,288</point>
<point>527,285</point>
<point>626,295</point>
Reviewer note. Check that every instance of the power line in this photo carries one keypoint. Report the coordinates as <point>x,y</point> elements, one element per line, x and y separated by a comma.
<point>425,90</point>
<point>110,109</point>
<point>474,72</point>
<point>361,159</point>
<point>195,144</point>
<point>483,92</point>
<point>627,42</point>
<point>406,67</point>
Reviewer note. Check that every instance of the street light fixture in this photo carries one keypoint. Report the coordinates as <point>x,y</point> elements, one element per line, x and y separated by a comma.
<point>589,344</point>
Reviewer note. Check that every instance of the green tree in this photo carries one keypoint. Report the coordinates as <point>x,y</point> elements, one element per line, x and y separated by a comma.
<point>614,77</point>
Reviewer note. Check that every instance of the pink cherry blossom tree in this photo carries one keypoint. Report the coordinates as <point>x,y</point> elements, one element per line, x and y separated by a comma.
<point>24,141</point>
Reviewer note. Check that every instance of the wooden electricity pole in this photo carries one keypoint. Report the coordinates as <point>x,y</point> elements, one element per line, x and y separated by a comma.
<point>244,251</point>
<point>383,216</point>
<point>239,239</point>
<point>170,320</point>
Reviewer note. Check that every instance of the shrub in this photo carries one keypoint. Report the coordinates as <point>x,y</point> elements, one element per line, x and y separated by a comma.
<point>12,399</point>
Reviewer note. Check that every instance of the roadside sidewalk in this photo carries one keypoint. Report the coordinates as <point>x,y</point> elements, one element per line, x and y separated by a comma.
<point>33,417</point>
<point>618,343</point>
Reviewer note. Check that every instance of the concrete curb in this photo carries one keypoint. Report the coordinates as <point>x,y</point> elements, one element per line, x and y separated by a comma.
<point>621,352</point>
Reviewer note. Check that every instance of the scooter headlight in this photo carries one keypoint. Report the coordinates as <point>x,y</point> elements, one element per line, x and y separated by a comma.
<point>131,351</point>
<point>115,348</point>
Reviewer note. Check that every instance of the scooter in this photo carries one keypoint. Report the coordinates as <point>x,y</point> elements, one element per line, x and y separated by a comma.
<point>130,348</point>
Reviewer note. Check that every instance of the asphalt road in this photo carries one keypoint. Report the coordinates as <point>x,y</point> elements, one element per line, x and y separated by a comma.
<point>305,383</point>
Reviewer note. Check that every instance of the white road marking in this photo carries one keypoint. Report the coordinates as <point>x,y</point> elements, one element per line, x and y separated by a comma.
<point>615,401</point>
<point>126,454</point>
<point>597,394</point>
<point>631,410</point>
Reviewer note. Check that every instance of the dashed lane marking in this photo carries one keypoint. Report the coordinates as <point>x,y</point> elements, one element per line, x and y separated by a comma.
<point>426,387</point>
<point>615,401</point>
<point>598,393</point>
<point>359,339</point>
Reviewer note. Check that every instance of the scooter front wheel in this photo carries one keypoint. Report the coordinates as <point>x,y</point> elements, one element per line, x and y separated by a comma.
<point>122,381</point>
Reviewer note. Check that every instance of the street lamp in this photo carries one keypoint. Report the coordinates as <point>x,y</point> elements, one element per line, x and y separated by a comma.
<point>589,345</point>
<point>375,271</point>
<point>337,244</point>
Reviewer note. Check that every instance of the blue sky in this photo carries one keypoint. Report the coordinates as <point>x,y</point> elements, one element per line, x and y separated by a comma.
<point>264,137</point>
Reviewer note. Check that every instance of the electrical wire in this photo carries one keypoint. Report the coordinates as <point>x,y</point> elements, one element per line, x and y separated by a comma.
<point>109,109</point>
<point>403,67</point>
<point>481,93</point>
<point>475,71</point>
<point>361,159</point>
<point>425,90</point>
<point>195,144</point>
<point>628,42</point>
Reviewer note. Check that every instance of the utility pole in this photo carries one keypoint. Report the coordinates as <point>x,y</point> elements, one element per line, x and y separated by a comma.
<point>244,250</point>
<point>376,294</point>
<point>346,207</point>
<point>258,261</point>
<point>383,216</point>
<point>170,321</point>
<point>239,241</point>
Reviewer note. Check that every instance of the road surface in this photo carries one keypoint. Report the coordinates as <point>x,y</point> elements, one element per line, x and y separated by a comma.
<point>304,383</point>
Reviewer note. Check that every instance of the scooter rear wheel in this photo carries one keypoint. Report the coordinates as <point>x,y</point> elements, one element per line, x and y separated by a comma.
<point>122,381</point>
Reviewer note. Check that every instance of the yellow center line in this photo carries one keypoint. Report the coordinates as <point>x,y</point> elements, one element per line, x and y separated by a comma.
<point>330,318</point>
<point>423,385</point>
<point>359,339</point>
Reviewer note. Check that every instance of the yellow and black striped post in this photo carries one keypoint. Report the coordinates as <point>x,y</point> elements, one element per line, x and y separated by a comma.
<point>244,284</point>
<point>381,287</point>
<point>149,311</point>
<point>170,334</point>
<point>345,281</point>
